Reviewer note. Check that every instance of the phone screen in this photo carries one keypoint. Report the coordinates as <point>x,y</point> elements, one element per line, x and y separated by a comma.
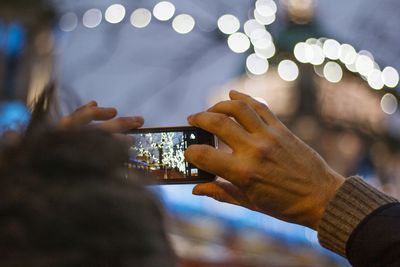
<point>160,153</point>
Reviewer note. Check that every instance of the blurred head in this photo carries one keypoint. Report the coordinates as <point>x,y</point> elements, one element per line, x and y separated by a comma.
<point>64,201</point>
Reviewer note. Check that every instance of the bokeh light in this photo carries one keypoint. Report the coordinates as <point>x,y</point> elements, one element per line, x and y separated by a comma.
<point>183,23</point>
<point>92,18</point>
<point>256,65</point>
<point>238,42</point>
<point>266,52</point>
<point>389,104</point>
<point>68,22</point>
<point>288,70</point>
<point>264,20</point>
<point>390,77</point>
<point>364,64</point>
<point>115,13</point>
<point>331,49</point>
<point>253,28</point>
<point>302,52</point>
<point>347,54</point>
<point>228,24</point>
<point>375,79</point>
<point>140,18</point>
<point>318,56</point>
<point>164,11</point>
<point>333,72</point>
<point>266,8</point>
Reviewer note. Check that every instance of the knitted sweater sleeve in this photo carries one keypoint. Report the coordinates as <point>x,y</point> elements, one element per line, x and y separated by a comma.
<point>352,203</point>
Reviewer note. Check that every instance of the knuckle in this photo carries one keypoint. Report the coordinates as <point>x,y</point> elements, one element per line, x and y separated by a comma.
<point>198,155</point>
<point>91,112</point>
<point>241,104</point>
<point>262,152</point>
<point>220,120</point>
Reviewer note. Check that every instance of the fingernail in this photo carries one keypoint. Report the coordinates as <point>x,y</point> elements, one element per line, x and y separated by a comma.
<point>196,192</point>
<point>189,117</point>
<point>112,111</point>
<point>92,103</point>
<point>138,119</point>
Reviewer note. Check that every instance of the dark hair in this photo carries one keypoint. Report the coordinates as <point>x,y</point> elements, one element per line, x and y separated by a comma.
<point>65,201</point>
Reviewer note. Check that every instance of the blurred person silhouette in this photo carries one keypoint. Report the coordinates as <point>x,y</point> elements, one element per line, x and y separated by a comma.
<point>65,201</point>
<point>272,171</point>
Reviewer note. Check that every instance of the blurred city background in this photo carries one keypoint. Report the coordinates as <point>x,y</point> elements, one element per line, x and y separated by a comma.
<point>328,69</point>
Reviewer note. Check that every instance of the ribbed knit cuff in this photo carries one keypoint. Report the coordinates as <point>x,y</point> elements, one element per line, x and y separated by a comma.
<point>354,200</point>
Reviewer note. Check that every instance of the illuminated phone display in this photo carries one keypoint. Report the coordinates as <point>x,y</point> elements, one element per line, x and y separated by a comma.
<point>160,153</point>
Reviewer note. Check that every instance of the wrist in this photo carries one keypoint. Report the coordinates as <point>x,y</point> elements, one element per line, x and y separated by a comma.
<point>331,182</point>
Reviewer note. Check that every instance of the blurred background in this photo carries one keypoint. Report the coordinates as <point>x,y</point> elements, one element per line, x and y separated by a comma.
<point>328,69</point>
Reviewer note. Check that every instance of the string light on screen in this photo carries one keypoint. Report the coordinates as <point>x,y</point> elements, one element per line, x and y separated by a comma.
<point>115,13</point>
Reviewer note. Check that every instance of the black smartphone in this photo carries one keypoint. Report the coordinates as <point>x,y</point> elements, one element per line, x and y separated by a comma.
<point>159,152</point>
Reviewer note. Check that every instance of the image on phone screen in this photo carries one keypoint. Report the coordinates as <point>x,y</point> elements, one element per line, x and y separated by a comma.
<point>161,154</point>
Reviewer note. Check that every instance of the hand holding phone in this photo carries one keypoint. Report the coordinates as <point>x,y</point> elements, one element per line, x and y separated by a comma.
<point>159,152</point>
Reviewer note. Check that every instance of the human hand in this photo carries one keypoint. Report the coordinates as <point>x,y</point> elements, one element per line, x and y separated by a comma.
<point>105,118</point>
<point>270,170</point>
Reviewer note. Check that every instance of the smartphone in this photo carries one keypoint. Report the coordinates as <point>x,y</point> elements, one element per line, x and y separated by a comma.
<point>159,152</point>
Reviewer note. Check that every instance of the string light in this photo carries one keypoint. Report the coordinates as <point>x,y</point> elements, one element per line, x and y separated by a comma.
<point>115,13</point>
<point>164,11</point>
<point>312,51</point>
<point>228,24</point>
<point>364,64</point>
<point>347,54</point>
<point>266,8</point>
<point>183,23</point>
<point>390,77</point>
<point>333,72</point>
<point>375,79</point>
<point>140,18</point>
<point>68,22</point>
<point>251,27</point>
<point>331,49</point>
<point>238,42</point>
<point>92,18</point>
<point>256,65</point>
<point>389,104</point>
<point>288,70</point>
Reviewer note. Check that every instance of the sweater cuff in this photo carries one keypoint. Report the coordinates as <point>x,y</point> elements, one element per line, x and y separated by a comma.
<point>353,201</point>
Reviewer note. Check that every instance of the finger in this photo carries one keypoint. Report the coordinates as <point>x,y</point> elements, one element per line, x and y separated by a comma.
<point>89,104</point>
<point>222,126</point>
<point>262,110</point>
<point>214,161</point>
<point>121,125</point>
<point>242,112</point>
<point>87,115</point>
<point>127,140</point>
<point>227,192</point>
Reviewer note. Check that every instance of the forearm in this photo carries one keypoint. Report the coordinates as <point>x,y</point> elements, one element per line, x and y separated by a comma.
<point>349,208</point>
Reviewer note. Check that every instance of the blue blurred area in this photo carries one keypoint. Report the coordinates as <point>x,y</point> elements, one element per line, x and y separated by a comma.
<point>12,39</point>
<point>179,200</point>
<point>14,116</point>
